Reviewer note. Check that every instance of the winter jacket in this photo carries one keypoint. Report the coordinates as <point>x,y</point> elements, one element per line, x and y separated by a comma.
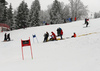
<point>75,18</point>
<point>54,35</point>
<point>74,35</point>
<point>86,20</point>
<point>46,35</point>
<point>61,32</point>
<point>70,19</point>
<point>58,31</point>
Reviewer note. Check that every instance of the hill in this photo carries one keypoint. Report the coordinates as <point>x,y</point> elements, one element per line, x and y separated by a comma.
<point>76,54</point>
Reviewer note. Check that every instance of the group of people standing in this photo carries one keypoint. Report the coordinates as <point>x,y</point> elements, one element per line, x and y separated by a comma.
<point>70,19</point>
<point>53,35</point>
<point>7,37</point>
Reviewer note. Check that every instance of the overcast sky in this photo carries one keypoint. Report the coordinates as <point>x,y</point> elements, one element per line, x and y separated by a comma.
<point>93,5</point>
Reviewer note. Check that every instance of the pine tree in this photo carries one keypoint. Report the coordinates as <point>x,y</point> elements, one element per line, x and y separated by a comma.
<point>2,1</point>
<point>78,9</point>
<point>44,17</point>
<point>56,12</point>
<point>66,13</point>
<point>10,16</point>
<point>34,14</point>
<point>14,19</point>
<point>1,11</point>
<point>97,14</point>
<point>3,16</point>
<point>22,15</point>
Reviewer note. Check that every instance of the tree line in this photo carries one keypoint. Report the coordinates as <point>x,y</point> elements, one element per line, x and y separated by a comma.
<point>56,13</point>
<point>97,14</point>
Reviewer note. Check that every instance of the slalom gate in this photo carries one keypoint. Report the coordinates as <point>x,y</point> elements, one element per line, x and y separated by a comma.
<point>26,43</point>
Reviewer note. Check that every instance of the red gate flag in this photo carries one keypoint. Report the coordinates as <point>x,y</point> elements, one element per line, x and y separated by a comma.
<point>26,43</point>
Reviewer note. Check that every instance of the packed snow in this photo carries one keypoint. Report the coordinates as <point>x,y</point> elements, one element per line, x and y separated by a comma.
<point>74,54</point>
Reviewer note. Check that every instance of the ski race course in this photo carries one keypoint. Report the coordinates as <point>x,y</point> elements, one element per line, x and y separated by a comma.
<point>74,54</point>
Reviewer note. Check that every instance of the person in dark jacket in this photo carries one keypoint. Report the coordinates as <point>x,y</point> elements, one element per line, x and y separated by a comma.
<point>59,32</point>
<point>52,22</point>
<point>8,37</point>
<point>46,35</point>
<point>86,22</point>
<point>5,37</point>
<point>64,20</point>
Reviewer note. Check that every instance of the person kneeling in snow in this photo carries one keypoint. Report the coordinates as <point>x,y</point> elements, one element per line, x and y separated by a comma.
<point>53,36</point>
<point>74,35</point>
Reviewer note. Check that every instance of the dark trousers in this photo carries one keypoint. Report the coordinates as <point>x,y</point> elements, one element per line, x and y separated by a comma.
<point>61,36</point>
<point>45,39</point>
<point>87,24</point>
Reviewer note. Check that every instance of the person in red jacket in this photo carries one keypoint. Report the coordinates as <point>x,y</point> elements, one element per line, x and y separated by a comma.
<point>74,35</point>
<point>53,34</point>
<point>59,32</point>
<point>75,18</point>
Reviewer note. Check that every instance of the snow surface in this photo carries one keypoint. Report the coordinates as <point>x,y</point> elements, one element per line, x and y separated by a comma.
<point>75,54</point>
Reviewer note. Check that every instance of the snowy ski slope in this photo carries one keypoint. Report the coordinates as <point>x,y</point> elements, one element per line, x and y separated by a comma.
<point>76,54</point>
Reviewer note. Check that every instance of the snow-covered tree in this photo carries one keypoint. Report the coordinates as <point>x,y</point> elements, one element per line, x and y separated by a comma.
<point>34,14</point>
<point>78,9</point>
<point>3,16</point>
<point>10,16</point>
<point>56,12</point>
<point>97,14</point>
<point>66,13</point>
<point>1,10</point>
<point>22,15</point>
<point>14,26</point>
<point>44,17</point>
